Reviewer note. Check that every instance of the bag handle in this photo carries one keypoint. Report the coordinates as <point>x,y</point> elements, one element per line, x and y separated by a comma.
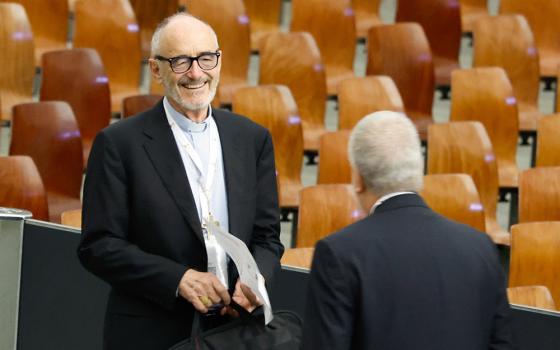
<point>256,316</point>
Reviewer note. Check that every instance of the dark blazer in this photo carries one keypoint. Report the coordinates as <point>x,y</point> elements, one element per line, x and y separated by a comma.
<point>406,278</point>
<point>141,230</point>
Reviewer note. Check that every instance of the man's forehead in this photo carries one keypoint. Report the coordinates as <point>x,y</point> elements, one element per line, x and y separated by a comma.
<point>186,33</point>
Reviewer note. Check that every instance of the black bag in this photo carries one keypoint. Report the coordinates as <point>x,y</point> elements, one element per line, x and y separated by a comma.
<point>247,332</point>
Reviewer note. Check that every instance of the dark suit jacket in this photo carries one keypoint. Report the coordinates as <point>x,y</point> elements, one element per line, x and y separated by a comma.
<point>406,278</point>
<point>141,230</point>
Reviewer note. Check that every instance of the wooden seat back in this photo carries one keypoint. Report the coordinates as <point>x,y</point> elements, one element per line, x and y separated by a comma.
<point>298,257</point>
<point>533,296</point>
<point>334,166</point>
<point>132,105</point>
<point>366,14</point>
<point>539,194</point>
<point>72,218</point>
<point>264,17</point>
<point>471,11</point>
<point>548,141</point>
<point>149,14</point>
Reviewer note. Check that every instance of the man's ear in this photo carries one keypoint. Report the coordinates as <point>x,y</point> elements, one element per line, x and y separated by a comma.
<point>154,68</point>
<point>358,182</point>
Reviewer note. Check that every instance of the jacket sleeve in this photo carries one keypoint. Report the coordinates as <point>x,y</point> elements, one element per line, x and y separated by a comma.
<point>502,334</point>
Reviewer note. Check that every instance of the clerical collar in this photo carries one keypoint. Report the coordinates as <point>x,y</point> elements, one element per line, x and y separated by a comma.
<point>185,123</point>
<point>386,197</point>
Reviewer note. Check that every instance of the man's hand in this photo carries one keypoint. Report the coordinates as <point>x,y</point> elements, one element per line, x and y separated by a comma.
<point>202,290</point>
<point>245,297</point>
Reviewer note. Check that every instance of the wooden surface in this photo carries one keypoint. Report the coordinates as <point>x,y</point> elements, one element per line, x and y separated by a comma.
<point>506,41</point>
<point>72,218</point>
<point>535,256</point>
<point>542,16</point>
<point>331,22</point>
<point>273,107</point>
<point>16,58</point>
<point>464,147</point>
<point>454,196</point>
<point>132,105</point>
<point>471,11</point>
<point>485,95</point>
<point>402,52</point>
<point>358,97</point>
<point>231,23</point>
<point>110,27</point>
<point>325,209</point>
<point>539,194</point>
<point>298,257</point>
<point>533,296</point>
<point>548,141</point>
<point>77,76</point>
<point>334,166</point>
<point>148,14</point>
<point>441,21</point>
<point>304,76</point>
<point>264,19</point>
<point>366,14</point>
<point>21,186</point>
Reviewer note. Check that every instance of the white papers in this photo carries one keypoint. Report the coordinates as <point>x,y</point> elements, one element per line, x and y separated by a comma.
<point>246,266</point>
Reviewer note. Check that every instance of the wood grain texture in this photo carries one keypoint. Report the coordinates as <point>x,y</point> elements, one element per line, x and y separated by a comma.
<point>548,141</point>
<point>532,296</point>
<point>264,18</point>
<point>149,14</point>
<point>366,14</point>
<point>539,194</point>
<point>273,107</point>
<point>132,105</point>
<point>334,166</point>
<point>72,218</point>
<point>471,11</point>
<point>298,257</point>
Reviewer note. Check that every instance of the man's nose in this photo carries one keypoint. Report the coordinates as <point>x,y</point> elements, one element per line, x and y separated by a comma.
<point>195,71</point>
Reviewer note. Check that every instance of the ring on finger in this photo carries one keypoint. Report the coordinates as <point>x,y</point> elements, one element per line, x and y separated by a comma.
<point>205,300</point>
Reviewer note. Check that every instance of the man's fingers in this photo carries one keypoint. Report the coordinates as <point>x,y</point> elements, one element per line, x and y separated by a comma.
<point>221,292</point>
<point>251,297</point>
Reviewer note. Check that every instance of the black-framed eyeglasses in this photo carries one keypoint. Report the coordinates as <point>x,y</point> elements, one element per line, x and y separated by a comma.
<point>181,64</point>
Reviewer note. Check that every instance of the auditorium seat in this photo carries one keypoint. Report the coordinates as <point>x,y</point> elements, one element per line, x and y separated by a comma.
<point>72,218</point>
<point>532,296</point>
<point>506,41</point>
<point>331,23</point>
<point>366,14</point>
<point>542,16</point>
<point>471,11</point>
<point>334,166</point>
<point>358,97</point>
<point>231,23</point>
<point>16,58</point>
<point>116,37</point>
<point>464,147</point>
<point>539,194</point>
<point>486,95</point>
<point>455,197</point>
<point>325,209</point>
<point>132,105</point>
<point>298,257</point>
<point>264,17</point>
<point>535,256</point>
<point>273,107</point>
<point>304,76</point>
<point>441,21</point>
<point>77,76</point>
<point>548,141</point>
<point>48,133</point>
<point>402,52</point>
<point>21,186</point>
<point>149,14</point>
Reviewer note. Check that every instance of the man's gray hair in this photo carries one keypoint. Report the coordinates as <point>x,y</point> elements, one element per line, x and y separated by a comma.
<point>384,148</point>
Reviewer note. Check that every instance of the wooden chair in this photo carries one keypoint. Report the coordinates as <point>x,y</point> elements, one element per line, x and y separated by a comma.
<point>16,58</point>
<point>548,141</point>
<point>455,197</point>
<point>331,22</point>
<point>485,95</point>
<point>48,133</point>
<point>334,166</point>
<point>273,107</point>
<point>116,37</point>
<point>77,76</point>
<point>366,14</point>
<point>539,194</point>
<point>402,52</point>
<point>533,296</point>
<point>133,105</point>
<point>471,11</point>
<point>305,77</point>
<point>325,209</point>
<point>358,97</point>
<point>298,257</point>
<point>21,186</point>
<point>148,14</point>
<point>441,21</point>
<point>535,256</point>
<point>464,147</point>
<point>72,218</point>
<point>506,41</point>
<point>265,19</point>
<point>542,16</point>
<point>231,23</point>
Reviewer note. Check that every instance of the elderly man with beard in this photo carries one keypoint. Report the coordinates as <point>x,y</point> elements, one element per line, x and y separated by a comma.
<point>151,182</point>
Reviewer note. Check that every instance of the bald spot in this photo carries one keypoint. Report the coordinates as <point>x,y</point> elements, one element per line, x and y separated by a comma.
<point>185,35</point>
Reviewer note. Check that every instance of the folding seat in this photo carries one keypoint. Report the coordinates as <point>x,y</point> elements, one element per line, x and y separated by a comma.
<point>77,76</point>
<point>303,74</point>
<point>334,166</point>
<point>358,97</point>
<point>132,105</point>
<point>548,141</point>
<point>149,14</point>
<point>264,17</point>
<point>366,14</point>
<point>535,256</point>
<point>231,23</point>
<point>441,21</point>
<point>455,197</point>
<point>72,218</point>
<point>298,257</point>
<point>331,22</point>
<point>471,11</point>
<point>21,186</point>
<point>402,52</point>
<point>47,132</point>
<point>539,194</point>
<point>464,147</point>
<point>532,296</point>
<point>16,58</point>
<point>116,37</point>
